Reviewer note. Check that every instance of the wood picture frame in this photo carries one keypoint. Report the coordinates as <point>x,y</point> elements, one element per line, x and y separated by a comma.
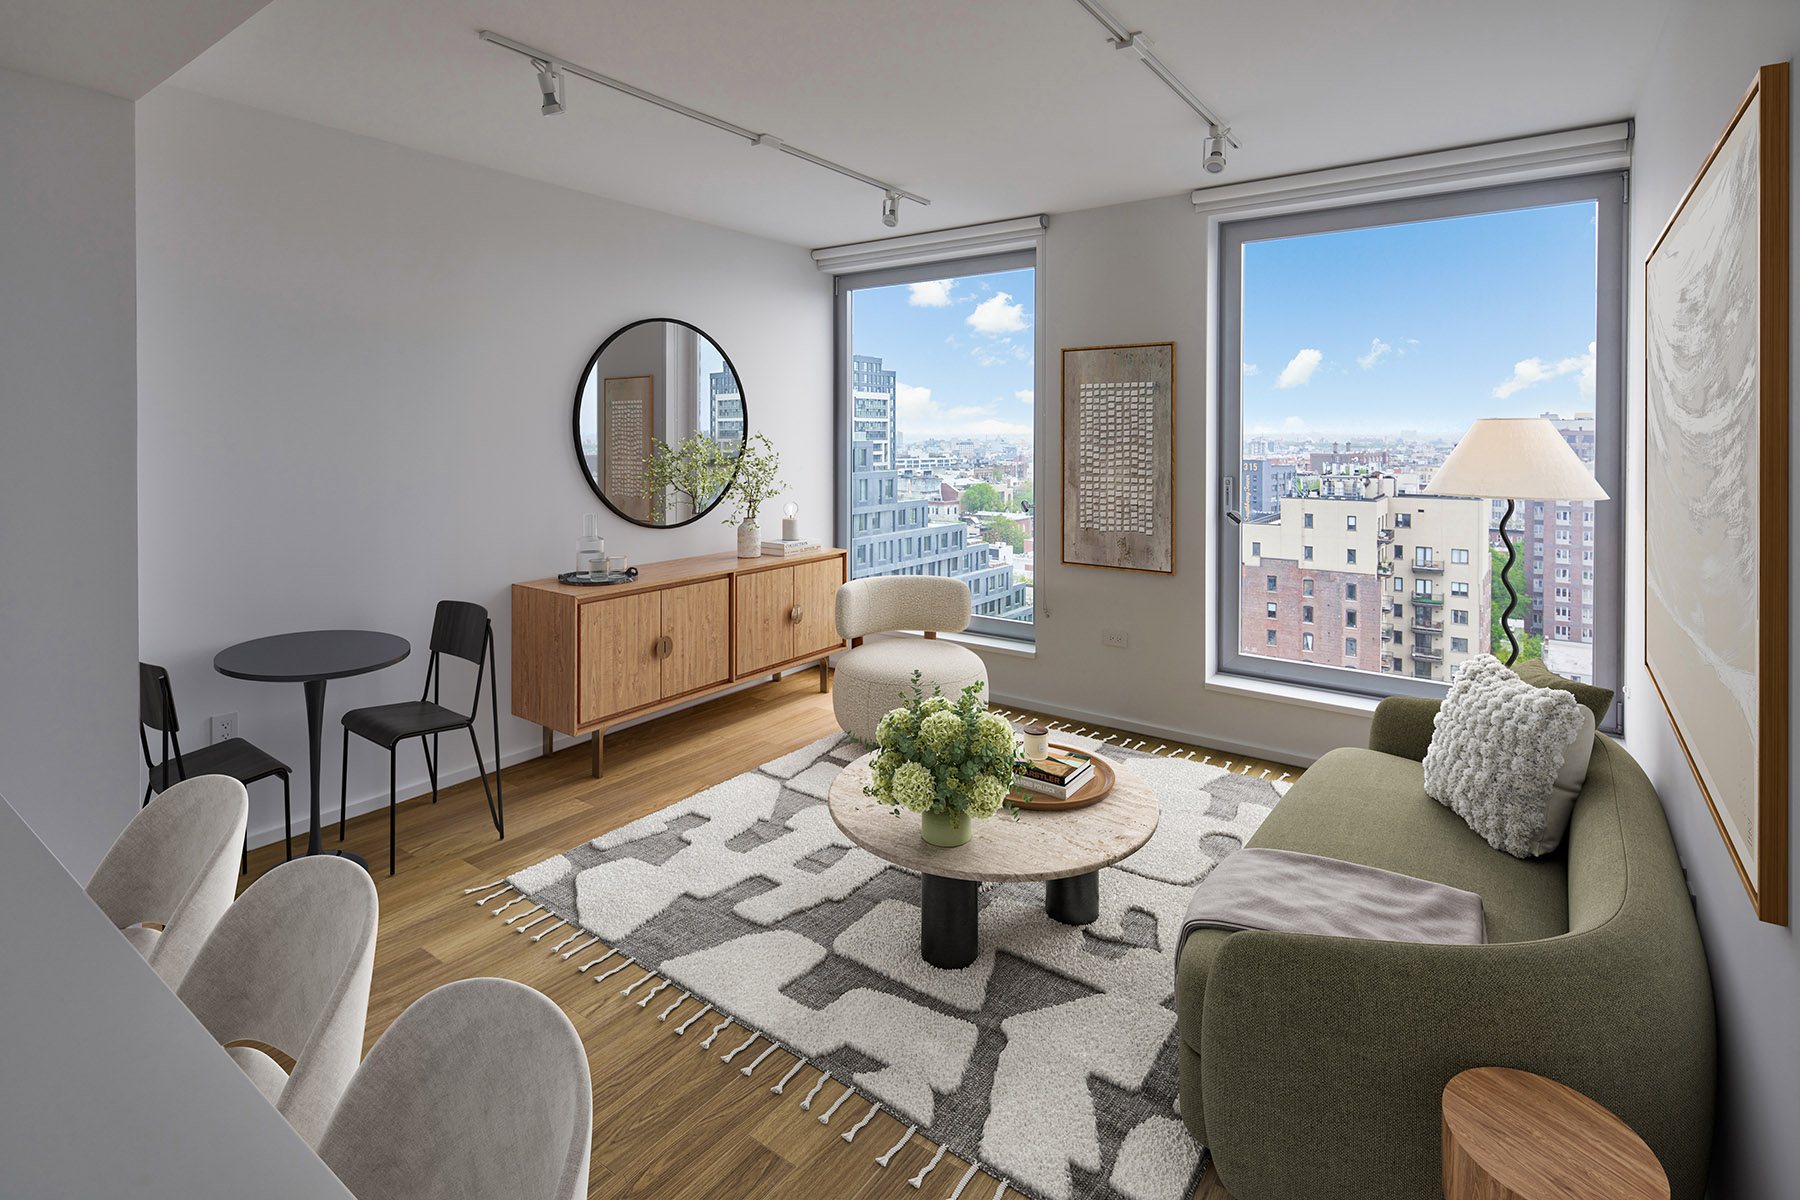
<point>1716,483</point>
<point>1118,457</point>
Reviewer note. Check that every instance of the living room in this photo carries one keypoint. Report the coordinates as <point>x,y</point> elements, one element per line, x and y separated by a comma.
<point>316,314</point>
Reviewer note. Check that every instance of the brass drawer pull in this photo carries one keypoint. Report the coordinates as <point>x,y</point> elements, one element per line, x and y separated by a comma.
<point>798,612</point>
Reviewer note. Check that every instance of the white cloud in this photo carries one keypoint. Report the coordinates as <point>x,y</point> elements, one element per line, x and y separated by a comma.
<point>1252,369</point>
<point>1529,371</point>
<point>995,316</point>
<point>1024,396</point>
<point>963,411</point>
<point>930,293</point>
<point>1293,424</point>
<point>1378,350</point>
<point>914,402</point>
<point>1300,368</point>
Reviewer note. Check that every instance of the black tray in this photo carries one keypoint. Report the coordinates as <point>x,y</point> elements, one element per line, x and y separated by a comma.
<point>576,580</point>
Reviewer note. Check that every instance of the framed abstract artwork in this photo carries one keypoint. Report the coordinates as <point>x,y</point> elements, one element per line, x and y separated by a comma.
<point>1716,483</point>
<point>1118,457</point>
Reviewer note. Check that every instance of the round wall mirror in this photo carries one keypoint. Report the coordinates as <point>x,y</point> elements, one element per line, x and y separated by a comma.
<point>659,423</point>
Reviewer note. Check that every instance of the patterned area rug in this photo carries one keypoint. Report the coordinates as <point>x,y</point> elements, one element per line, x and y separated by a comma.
<point>1050,1062</point>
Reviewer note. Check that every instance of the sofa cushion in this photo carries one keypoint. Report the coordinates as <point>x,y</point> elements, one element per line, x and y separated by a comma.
<point>1596,700</point>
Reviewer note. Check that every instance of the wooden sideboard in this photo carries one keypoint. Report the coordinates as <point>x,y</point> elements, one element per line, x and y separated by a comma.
<point>585,658</point>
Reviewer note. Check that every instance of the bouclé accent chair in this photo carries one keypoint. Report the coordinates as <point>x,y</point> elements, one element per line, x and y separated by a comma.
<point>289,966</point>
<point>874,678</point>
<point>175,865</point>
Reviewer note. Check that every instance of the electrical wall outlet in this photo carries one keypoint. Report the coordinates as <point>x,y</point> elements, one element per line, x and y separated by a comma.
<point>1114,637</point>
<point>224,727</point>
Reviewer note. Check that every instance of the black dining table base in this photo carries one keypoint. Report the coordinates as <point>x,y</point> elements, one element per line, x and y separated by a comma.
<point>315,731</point>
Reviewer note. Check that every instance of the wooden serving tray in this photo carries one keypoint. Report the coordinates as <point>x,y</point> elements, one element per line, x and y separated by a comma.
<point>1091,792</point>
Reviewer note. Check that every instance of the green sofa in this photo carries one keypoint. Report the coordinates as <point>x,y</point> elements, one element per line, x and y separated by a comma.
<point>1313,1067</point>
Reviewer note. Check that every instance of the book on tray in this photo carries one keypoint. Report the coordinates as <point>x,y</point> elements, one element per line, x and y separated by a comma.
<point>1059,776</point>
<point>789,549</point>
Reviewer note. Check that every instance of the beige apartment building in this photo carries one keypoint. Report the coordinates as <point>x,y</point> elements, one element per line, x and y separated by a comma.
<point>1394,583</point>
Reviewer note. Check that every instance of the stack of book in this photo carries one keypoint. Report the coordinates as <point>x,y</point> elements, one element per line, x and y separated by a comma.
<point>790,549</point>
<point>1058,777</point>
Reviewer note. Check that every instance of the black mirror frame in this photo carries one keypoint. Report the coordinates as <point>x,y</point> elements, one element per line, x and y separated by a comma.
<point>575,419</point>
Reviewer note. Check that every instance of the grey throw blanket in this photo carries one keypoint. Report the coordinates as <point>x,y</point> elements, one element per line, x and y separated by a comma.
<point>1289,892</point>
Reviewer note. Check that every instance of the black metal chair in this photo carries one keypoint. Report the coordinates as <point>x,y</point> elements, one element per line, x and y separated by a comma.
<point>462,630</point>
<point>235,757</point>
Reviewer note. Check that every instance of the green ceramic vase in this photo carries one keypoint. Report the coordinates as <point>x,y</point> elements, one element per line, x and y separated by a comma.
<point>946,829</point>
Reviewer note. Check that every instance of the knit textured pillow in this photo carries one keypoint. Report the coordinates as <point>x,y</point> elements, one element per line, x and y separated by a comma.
<point>1497,746</point>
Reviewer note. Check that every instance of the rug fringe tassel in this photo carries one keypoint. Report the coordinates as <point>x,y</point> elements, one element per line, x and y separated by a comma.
<point>580,948</point>
<point>526,913</point>
<point>806,1104</point>
<point>484,887</point>
<point>604,976</point>
<point>648,976</point>
<point>651,993</point>
<point>825,1118</point>
<point>482,903</point>
<point>745,1045</point>
<point>533,924</point>
<point>919,1179</point>
<point>964,1181</point>
<point>712,1037</point>
<point>897,1146</point>
<point>683,1027</point>
<point>850,1134</point>
<point>792,1071</point>
<point>758,1061</point>
<point>578,931</point>
<point>1000,1191</point>
<point>509,904</point>
<point>664,1015</point>
<point>538,937</point>
<point>592,963</point>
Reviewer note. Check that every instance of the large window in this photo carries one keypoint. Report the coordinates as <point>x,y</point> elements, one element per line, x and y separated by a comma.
<point>1357,345</point>
<point>938,428</point>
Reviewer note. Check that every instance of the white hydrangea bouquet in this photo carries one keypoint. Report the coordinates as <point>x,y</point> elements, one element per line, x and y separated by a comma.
<point>949,761</point>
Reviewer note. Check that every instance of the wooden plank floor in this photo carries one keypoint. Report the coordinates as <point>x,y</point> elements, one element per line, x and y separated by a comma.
<point>669,1119</point>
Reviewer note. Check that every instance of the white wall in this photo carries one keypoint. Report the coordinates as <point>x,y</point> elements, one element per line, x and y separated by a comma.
<point>357,363</point>
<point>1708,54</point>
<point>68,466</point>
<point>1138,273</point>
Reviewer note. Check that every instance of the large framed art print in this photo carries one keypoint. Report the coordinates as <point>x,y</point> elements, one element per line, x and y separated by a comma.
<point>1716,483</point>
<point>1118,457</point>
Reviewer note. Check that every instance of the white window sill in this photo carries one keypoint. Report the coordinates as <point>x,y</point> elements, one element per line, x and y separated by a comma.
<point>980,642</point>
<point>1293,693</point>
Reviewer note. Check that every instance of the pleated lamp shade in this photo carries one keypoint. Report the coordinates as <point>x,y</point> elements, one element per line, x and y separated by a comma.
<point>1515,458</point>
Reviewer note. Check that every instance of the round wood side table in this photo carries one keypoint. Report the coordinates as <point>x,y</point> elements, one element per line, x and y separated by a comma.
<point>1512,1135</point>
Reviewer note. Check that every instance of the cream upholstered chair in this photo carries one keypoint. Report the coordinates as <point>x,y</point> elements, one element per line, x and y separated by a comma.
<point>289,966</point>
<point>873,678</point>
<point>480,1089</point>
<point>175,865</point>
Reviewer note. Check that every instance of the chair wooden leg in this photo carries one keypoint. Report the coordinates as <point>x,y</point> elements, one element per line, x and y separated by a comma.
<point>393,757</point>
<point>343,787</point>
<point>287,815</point>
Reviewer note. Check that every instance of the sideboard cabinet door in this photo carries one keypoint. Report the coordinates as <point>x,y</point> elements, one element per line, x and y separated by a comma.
<point>621,667</point>
<point>765,619</point>
<point>815,598</point>
<point>696,620</point>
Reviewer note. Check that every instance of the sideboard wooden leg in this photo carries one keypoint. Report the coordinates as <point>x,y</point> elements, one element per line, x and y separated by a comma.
<point>824,674</point>
<point>549,740</point>
<point>775,678</point>
<point>599,741</point>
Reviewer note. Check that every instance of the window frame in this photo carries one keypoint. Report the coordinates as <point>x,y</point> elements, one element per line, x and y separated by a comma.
<point>844,286</point>
<point>1608,190</point>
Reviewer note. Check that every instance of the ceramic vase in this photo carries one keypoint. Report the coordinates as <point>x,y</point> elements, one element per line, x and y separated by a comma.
<point>946,829</point>
<point>749,541</point>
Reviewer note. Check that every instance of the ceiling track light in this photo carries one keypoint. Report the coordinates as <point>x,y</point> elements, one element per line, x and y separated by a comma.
<point>550,84</point>
<point>552,69</point>
<point>1122,38</point>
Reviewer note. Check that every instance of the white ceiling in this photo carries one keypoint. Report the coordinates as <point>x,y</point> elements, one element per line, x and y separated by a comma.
<point>124,47</point>
<point>992,109</point>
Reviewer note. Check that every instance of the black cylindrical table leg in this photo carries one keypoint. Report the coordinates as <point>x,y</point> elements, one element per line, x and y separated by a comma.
<point>947,928</point>
<point>1075,900</point>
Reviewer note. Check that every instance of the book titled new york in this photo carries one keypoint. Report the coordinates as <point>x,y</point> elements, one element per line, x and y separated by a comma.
<point>790,549</point>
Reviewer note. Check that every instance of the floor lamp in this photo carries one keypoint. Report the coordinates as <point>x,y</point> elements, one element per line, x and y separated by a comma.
<point>1512,459</point>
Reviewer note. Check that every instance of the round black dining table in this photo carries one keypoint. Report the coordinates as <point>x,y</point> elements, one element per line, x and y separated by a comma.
<point>311,657</point>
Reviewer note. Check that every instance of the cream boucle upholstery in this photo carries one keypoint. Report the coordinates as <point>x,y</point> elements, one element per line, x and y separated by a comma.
<point>175,865</point>
<point>289,966</point>
<point>890,602</point>
<point>874,678</point>
<point>480,1089</point>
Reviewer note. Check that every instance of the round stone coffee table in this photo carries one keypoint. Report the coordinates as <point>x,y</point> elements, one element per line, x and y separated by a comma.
<point>1065,849</point>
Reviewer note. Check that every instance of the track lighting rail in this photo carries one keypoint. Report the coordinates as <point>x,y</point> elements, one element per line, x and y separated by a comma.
<point>546,61</point>
<point>1123,38</point>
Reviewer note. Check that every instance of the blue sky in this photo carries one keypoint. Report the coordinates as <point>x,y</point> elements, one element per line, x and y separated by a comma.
<point>962,348</point>
<point>1424,326</point>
